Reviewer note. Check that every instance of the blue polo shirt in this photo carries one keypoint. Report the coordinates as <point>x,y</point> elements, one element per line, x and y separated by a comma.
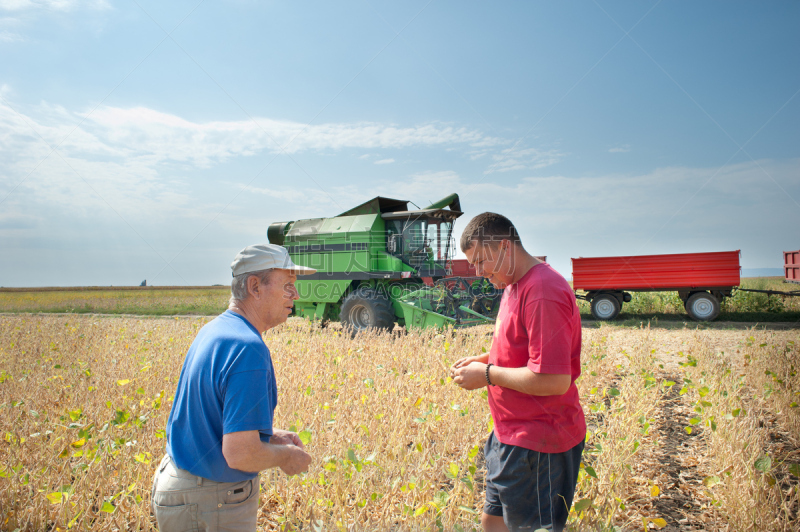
<point>227,384</point>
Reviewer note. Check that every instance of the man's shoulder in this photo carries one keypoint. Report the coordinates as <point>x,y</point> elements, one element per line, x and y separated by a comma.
<point>230,326</point>
<point>230,336</point>
<point>543,282</point>
<point>543,286</point>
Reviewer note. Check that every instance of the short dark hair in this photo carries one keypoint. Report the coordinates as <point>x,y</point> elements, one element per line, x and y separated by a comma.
<point>488,227</point>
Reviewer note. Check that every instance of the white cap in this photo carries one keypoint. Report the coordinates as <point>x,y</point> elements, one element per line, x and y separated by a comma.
<point>265,257</point>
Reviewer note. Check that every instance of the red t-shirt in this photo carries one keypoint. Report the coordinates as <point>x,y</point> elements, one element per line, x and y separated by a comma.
<point>538,326</point>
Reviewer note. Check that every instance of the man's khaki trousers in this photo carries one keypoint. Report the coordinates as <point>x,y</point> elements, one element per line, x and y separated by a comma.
<point>185,502</point>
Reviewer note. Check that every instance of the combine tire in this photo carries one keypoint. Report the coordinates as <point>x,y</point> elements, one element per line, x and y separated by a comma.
<point>702,306</point>
<point>365,309</point>
<point>605,307</point>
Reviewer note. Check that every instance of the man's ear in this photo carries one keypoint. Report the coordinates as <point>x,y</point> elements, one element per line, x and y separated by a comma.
<point>253,285</point>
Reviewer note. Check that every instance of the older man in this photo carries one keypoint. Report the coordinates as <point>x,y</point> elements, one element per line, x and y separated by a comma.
<point>219,432</point>
<point>534,452</point>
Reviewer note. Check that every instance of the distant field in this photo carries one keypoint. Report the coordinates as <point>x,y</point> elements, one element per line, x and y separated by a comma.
<point>156,301</point>
<point>209,301</point>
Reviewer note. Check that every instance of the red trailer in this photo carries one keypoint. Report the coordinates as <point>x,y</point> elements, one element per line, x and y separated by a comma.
<point>791,266</point>
<point>702,280</point>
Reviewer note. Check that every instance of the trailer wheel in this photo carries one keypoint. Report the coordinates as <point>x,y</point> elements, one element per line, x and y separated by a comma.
<point>702,306</point>
<point>605,307</point>
<point>365,309</point>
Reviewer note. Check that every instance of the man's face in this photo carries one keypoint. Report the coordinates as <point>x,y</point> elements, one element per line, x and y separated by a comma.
<point>492,260</point>
<point>277,297</point>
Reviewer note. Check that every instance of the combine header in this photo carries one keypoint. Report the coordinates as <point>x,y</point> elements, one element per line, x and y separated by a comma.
<point>379,264</point>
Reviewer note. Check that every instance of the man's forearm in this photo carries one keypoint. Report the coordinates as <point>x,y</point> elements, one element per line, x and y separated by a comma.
<point>246,452</point>
<point>525,381</point>
<point>258,457</point>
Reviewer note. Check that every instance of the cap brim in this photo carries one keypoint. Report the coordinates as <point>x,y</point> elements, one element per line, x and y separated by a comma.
<point>301,270</point>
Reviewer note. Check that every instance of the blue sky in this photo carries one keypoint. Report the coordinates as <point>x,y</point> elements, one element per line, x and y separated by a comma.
<point>152,140</point>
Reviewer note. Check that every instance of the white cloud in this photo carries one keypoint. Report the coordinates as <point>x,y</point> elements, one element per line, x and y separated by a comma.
<point>8,36</point>
<point>138,161</point>
<point>55,5</point>
<point>518,158</point>
<point>625,148</point>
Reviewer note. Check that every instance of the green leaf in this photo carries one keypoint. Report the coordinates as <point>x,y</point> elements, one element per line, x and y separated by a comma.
<point>305,436</point>
<point>794,469</point>
<point>75,415</point>
<point>467,509</point>
<point>763,463</point>
<point>473,452</point>
<point>583,504</point>
<point>108,508</point>
<point>351,455</point>
<point>694,421</point>
<point>452,470</point>
<point>703,391</point>
<point>613,392</point>
<point>590,471</point>
<point>688,430</point>
<point>711,481</point>
<point>121,417</point>
<point>56,497</point>
<point>683,390</point>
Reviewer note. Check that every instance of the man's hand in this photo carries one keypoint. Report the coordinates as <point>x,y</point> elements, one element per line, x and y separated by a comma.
<point>284,437</point>
<point>471,376</point>
<point>295,460</point>
<point>466,361</point>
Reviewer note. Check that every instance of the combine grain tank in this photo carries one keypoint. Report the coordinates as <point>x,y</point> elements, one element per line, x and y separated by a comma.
<point>702,280</point>
<point>791,266</point>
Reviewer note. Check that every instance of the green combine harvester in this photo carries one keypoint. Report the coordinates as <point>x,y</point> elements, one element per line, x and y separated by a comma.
<point>379,264</point>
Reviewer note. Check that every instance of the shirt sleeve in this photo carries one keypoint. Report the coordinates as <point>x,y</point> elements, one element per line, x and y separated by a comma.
<point>549,327</point>
<point>248,403</point>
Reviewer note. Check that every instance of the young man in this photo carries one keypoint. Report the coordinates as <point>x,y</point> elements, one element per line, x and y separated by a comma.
<point>219,432</point>
<point>533,455</point>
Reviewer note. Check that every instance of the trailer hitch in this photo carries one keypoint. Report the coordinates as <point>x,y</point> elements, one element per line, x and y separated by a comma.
<point>770,292</point>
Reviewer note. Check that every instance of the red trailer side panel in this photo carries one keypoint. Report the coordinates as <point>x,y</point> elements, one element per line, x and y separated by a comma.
<point>657,272</point>
<point>791,266</point>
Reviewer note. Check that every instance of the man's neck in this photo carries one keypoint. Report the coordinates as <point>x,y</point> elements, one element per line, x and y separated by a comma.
<point>523,262</point>
<point>243,310</point>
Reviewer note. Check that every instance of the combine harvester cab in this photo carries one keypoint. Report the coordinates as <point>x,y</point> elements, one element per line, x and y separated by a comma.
<point>377,264</point>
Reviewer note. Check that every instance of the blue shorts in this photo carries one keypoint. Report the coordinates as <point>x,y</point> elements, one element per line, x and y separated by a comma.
<point>529,489</point>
